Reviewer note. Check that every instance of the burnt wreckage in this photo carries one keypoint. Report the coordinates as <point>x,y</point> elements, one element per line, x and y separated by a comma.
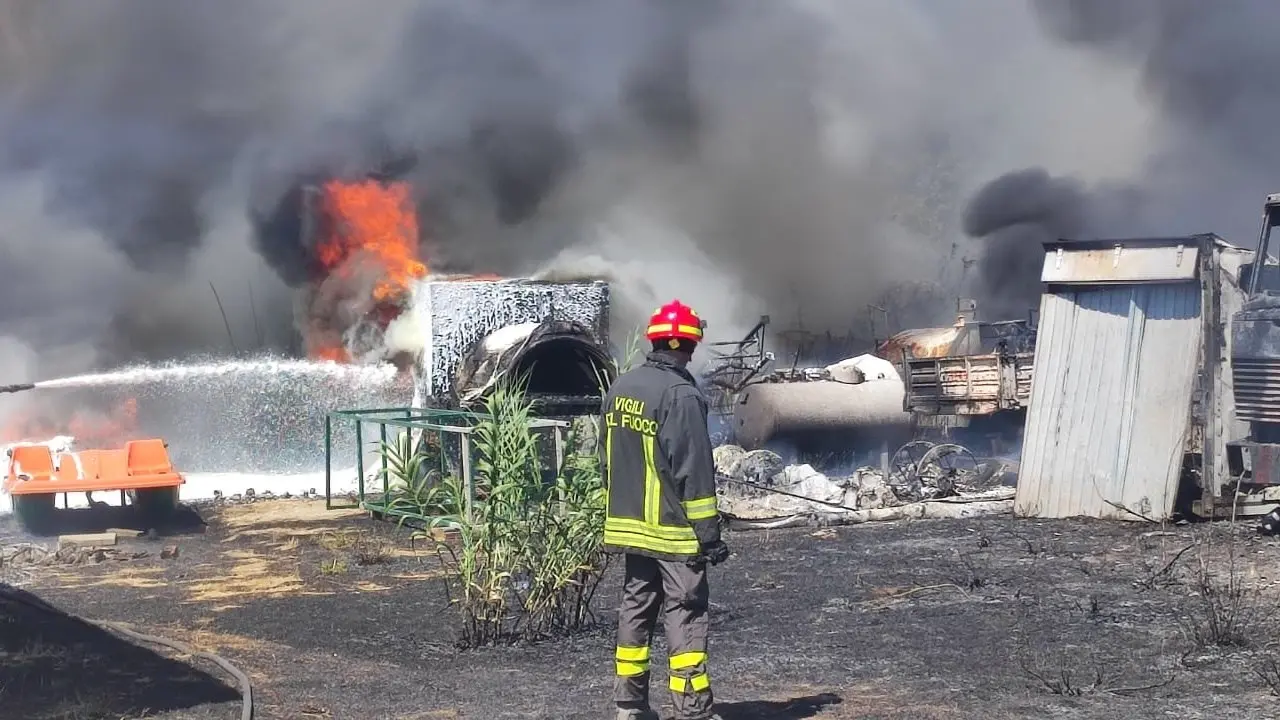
<point>932,393</point>
<point>552,336</point>
<point>1156,373</point>
<point>475,332</point>
<point>1253,459</point>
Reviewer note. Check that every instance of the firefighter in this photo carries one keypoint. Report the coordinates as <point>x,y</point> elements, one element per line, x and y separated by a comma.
<point>662,517</point>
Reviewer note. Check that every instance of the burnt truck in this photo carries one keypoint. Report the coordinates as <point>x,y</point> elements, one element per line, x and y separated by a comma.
<point>1253,461</point>
<point>972,389</point>
<point>921,389</point>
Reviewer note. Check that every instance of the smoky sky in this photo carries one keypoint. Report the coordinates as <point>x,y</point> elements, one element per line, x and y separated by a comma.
<point>808,159</point>
<point>1210,70</point>
<point>150,126</point>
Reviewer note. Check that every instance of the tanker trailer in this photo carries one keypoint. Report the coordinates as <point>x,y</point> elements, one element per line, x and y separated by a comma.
<point>857,402</point>
<point>917,379</point>
<point>816,409</point>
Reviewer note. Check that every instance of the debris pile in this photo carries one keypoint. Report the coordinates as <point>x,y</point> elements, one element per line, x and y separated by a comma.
<point>19,562</point>
<point>757,488</point>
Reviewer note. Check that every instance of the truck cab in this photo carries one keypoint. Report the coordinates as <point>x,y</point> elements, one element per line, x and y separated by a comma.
<point>1268,280</point>
<point>1255,364</point>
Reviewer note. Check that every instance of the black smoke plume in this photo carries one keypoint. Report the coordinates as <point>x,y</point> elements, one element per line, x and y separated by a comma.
<point>1210,72</point>
<point>808,160</point>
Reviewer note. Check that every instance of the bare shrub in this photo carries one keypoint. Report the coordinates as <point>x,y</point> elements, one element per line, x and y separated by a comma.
<point>1268,670</point>
<point>1063,678</point>
<point>1164,574</point>
<point>371,550</point>
<point>1227,611</point>
<point>970,573</point>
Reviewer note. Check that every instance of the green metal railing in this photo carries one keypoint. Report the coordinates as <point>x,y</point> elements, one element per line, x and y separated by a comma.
<point>451,430</point>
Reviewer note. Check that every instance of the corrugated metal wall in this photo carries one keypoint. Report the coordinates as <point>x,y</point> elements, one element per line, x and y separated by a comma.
<point>1114,372</point>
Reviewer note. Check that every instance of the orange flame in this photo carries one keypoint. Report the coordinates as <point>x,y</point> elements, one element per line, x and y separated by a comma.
<point>331,353</point>
<point>368,226</point>
<point>91,429</point>
<point>374,221</point>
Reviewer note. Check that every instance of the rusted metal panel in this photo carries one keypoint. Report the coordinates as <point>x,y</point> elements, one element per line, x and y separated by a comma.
<point>919,343</point>
<point>1120,264</point>
<point>969,385</point>
<point>1115,370</point>
<point>1266,463</point>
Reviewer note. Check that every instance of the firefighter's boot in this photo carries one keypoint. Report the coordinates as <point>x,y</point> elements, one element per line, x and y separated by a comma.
<point>638,714</point>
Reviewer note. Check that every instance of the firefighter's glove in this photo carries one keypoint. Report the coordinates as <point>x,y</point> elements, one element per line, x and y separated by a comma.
<point>716,552</point>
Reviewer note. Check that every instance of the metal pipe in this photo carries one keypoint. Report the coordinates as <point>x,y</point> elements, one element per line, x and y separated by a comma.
<point>360,459</point>
<point>17,388</point>
<point>328,461</point>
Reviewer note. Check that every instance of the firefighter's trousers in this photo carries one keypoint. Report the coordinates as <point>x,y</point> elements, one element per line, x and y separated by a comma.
<point>681,594</point>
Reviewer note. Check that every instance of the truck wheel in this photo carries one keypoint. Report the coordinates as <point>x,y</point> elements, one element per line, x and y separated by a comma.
<point>35,513</point>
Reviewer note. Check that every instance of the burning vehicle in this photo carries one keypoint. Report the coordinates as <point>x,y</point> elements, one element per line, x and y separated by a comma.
<point>366,297</point>
<point>458,335</point>
<point>553,336</point>
<point>1252,452</point>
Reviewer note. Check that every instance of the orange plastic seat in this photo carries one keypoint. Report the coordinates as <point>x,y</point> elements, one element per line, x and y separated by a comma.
<point>139,465</point>
<point>33,461</point>
<point>113,465</point>
<point>147,457</point>
<point>90,462</point>
<point>68,469</point>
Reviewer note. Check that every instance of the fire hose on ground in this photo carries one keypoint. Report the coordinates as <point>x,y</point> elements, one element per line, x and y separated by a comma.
<point>246,688</point>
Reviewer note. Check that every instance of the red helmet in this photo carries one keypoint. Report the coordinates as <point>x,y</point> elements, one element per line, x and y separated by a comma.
<point>673,321</point>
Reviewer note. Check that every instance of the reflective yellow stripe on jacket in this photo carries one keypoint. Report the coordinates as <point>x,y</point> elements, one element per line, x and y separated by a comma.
<point>700,509</point>
<point>650,534</point>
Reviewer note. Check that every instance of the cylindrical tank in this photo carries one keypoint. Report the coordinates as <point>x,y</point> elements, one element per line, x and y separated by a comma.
<point>767,410</point>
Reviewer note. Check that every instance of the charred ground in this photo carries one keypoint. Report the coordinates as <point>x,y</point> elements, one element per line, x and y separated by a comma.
<point>334,615</point>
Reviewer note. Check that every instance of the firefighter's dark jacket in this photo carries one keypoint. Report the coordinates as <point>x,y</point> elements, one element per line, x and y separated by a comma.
<point>657,463</point>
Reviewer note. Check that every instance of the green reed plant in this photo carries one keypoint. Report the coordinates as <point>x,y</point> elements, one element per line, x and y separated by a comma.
<point>415,485</point>
<point>525,563</point>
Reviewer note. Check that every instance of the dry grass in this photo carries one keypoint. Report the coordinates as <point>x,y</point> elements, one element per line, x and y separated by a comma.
<point>282,521</point>
<point>425,575</point>
<point>367,586</point>
<point>30,652</point>
<point>125,577</point>
<point>213,641</point>
<point>274,512</point>
<point>866,701</point>
<point>249,575</point>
